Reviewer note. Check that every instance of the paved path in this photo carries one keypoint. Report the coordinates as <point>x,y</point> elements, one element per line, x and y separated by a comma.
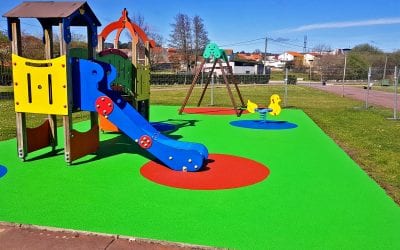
<point>375,97</point>
<point>32,238</point>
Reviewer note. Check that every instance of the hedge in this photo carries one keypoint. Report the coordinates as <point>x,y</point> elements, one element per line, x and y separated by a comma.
<point>171,79</point>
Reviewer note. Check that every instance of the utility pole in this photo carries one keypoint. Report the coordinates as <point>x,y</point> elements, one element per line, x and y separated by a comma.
<point>305,44</point>
<point>265,55</point>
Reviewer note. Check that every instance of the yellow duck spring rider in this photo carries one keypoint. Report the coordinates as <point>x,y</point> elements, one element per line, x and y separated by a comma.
<point>273,108</point>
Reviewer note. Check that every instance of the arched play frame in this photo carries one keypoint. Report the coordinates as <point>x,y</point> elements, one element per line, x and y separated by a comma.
<point>46,86</point>
<point>132,76</point>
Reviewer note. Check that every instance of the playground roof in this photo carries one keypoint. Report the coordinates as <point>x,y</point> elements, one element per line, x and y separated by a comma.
<point>52,11</point>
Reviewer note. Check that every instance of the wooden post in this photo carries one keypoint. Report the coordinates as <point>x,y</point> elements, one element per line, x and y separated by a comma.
<point>116,39</point>
<point>228,87</point>
<point>147,53</point>
<point>191,87</point>
<point>232,76</point>
<point>135,41</point>
<point>48,52</point>
<point>16,48</point>
<point>67,119</point>
<point>100,43</point>
<point>94,119</point>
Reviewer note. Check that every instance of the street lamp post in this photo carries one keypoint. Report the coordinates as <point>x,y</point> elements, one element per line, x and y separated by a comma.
<point>309,78</point>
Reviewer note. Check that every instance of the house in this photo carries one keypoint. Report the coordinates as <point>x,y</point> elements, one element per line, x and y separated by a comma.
<point>229,54</point>
<point>290,56</point>
<point>256,57</point>
<point>273,62</point>
<point>238,67</point>
<point>309,58</point>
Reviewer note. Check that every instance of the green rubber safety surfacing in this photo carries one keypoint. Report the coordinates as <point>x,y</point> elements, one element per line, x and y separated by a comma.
<point>315,197</point>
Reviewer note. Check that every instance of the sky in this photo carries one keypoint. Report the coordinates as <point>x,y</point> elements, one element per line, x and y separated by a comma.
<point>245,25</point>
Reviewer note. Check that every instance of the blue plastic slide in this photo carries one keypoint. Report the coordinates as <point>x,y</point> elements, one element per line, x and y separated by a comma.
<point>92,92</point>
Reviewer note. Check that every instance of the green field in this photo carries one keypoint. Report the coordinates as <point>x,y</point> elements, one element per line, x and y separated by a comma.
<point>315,197</point>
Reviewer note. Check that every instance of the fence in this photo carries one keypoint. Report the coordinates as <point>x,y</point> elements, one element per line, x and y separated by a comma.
<point>171,79</point>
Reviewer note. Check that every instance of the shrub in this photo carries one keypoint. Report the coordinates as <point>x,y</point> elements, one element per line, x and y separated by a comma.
<point>292,79</point>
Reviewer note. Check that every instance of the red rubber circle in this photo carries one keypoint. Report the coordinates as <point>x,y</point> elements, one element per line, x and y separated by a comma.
<point>222,172</point>
<point>104,105</point>
<point>145,141</point>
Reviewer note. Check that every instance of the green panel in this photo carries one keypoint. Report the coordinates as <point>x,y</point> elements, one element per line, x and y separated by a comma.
<point>212,50</point>
<point>79,53</point>
<point>143,83</point>
<point>124,70</point>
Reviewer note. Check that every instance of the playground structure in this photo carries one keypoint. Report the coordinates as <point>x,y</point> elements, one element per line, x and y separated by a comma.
<point>62,85</point>
<point>133,78</point>
<point>273,109</point>
<point>45,86</point>
<point>213,52</point>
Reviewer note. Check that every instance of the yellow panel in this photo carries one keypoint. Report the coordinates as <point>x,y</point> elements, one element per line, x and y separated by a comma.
<point>40,86</point>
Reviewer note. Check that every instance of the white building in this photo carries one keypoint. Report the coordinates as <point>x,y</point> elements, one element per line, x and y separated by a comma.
<point>289,56</point>
<point>237,68</point>
<point>309,58</point>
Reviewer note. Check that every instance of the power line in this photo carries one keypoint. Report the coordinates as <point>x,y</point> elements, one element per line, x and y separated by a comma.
<point>243,42</point>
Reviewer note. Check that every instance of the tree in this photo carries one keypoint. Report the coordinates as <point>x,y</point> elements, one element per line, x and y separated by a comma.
<point>32,47</point>
<point>5,49</point>
<point>366,48</point>
<point>139,20</point>
<point>330,66</point>
<point>200,37</point>
<point>320,48</point>
<point>3,36</point>
<point>366,55</point>
<point>357,67</point>
<point>181,37</point>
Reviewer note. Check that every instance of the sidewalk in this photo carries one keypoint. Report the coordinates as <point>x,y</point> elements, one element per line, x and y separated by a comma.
<point>31,237</point>
<point>375,97</point>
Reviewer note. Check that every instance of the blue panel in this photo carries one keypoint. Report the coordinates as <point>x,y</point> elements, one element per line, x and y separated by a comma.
<point>90,25</point>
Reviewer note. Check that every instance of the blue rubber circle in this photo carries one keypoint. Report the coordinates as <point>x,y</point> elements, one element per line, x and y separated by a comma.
<point>263,124</point>
<point>3,171</point>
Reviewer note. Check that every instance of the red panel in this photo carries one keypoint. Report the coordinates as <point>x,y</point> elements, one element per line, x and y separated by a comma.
<point>84,143</point>
<point>125,22</point>
<point>38,137</point>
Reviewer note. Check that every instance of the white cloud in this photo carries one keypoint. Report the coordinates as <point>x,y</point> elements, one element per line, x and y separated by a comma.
<point>336,25</point>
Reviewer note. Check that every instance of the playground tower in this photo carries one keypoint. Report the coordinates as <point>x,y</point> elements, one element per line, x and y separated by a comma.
<point>45,86</point>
